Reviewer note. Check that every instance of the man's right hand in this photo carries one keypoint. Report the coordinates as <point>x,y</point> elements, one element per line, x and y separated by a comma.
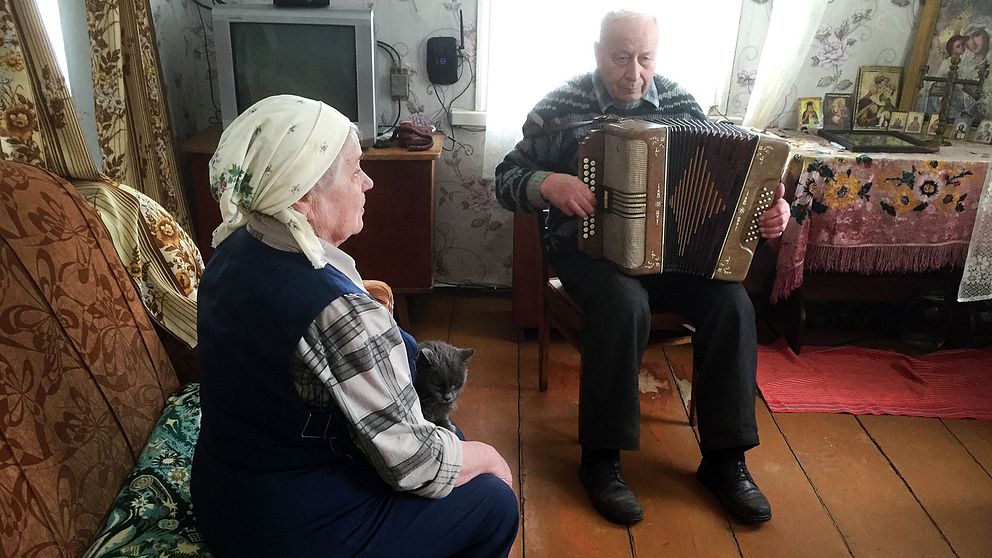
<point>569,194</point>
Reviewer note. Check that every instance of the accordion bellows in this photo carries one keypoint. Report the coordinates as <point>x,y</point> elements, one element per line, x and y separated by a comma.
<point>678,195</point>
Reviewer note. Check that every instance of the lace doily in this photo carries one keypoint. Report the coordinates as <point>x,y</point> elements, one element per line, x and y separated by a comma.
<point>976,284</point>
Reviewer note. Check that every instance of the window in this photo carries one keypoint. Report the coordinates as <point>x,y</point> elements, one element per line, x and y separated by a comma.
<point>533,47</point>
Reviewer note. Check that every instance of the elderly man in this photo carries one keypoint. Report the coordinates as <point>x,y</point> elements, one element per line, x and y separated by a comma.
<point>313,441</point>
<point>539,173</point>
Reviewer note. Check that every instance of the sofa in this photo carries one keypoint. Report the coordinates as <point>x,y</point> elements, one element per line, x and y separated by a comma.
<point>97,434</point>
<point>97,429</point>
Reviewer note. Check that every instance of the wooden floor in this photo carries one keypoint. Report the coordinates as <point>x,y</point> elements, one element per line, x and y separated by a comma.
<point>840,485</point>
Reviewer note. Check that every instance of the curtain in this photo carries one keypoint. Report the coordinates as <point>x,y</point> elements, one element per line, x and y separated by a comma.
<point>792,24</point>
<point>528,57</point>
<point>39,124</point>
<point>131,114</point>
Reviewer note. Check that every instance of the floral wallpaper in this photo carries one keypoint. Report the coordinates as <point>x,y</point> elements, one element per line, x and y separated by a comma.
<point>473,235</point>
<point>852,33</point>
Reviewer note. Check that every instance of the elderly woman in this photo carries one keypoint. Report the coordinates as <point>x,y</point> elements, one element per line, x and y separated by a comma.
<point>313,442</point>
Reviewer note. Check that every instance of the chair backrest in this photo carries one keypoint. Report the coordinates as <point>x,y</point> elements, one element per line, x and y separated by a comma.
<point>83,376</point>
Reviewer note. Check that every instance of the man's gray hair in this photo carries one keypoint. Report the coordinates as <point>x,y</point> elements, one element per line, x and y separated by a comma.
<point>614,15</point>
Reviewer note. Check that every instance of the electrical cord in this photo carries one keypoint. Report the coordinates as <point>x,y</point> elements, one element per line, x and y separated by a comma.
<point>397,63</point>
<point>216,118</point>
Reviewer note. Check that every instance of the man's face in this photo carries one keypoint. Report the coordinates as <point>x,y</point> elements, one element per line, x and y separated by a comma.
<point>625,57</point>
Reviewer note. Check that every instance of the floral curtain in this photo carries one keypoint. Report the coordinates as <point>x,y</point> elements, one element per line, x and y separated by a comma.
<point>131,114</point>
<point>39,125</point>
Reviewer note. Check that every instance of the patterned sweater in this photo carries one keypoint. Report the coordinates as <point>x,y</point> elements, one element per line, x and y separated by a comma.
<point>551,143</point>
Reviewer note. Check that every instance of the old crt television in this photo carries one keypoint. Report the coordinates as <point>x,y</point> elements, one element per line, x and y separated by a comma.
<point>325,54</point>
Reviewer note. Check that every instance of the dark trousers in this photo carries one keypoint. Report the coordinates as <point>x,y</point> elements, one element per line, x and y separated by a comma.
<point>618,322</point>
<point>347,510</point>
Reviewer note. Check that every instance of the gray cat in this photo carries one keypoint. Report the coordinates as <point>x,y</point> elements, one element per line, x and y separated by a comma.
<point>441,373</point>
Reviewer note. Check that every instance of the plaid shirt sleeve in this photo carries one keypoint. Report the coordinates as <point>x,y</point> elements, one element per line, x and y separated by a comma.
<point>355,350</point>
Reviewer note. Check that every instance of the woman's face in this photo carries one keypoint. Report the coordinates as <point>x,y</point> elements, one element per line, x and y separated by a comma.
<point>335,206</point>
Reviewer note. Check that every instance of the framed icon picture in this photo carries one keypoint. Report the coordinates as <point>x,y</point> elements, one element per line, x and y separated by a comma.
<point>837,109</point>
<point>961,127</point>
<point>897,122</point>
<point>984,133</point>
<point>932,123</point>
<point>877,96</point>
<point>810,113</point>
<point>914,123</point>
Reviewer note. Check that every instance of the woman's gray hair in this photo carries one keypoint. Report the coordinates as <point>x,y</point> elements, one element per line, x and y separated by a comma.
<point>335,167</point>
<point>614,15</point>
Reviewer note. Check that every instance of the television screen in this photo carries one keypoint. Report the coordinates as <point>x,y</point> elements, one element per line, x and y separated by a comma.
<point>276,58</point>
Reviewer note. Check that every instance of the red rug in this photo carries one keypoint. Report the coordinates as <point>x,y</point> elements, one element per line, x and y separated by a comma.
<point>945,384</point>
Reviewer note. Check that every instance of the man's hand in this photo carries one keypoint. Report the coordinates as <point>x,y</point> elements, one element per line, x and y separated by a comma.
<point>569,194</point>
<point>773,221</point>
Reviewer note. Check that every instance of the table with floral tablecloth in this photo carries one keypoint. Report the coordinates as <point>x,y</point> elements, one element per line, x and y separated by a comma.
<point>877,213</point>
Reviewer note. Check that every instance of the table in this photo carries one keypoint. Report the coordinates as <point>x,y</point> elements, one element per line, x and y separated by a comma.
<point>885,213</point>
<point>396,245</point>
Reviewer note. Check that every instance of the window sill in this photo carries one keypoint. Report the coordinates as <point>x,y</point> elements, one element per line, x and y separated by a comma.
<point>468,118</point>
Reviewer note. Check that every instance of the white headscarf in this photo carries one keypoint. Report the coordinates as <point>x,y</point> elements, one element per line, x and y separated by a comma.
<point>269,157</point>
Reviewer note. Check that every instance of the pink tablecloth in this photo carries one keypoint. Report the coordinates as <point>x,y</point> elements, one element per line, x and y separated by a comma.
<point>880,212</point>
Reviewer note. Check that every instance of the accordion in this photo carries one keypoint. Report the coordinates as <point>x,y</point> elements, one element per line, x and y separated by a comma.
<point>678,195</point>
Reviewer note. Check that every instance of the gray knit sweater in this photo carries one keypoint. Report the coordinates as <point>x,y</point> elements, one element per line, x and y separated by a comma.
<point>539,153</point>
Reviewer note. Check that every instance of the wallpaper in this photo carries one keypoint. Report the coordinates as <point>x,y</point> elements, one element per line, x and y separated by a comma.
<point>852,33</point>
<point>473,235</point>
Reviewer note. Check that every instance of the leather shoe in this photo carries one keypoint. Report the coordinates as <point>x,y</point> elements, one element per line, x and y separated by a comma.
<point>733,485</point>
<point>609,493</point>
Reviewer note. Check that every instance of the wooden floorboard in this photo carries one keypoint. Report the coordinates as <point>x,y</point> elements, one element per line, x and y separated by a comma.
<point>680,517</point>
<point>839,485</point>
<point>488,408</point>
<point>950,485</point>
<point>874,510</point>
<point>558,519</point>
<point>976,437</point>
<point>800,525</point>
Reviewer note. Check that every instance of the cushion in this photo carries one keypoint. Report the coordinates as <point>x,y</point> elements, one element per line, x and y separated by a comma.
<point>162,260</point>
<point>152,515</point>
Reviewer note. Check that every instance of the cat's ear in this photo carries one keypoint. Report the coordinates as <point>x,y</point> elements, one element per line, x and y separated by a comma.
<point>425,356</point>
<point>465,354</point>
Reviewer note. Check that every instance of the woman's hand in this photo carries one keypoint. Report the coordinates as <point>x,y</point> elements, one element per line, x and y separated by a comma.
<point>479,458</point>
<point>568,194</point>
<point>773,221</point>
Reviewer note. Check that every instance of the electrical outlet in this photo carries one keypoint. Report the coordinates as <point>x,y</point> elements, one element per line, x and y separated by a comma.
<point>399,84</point>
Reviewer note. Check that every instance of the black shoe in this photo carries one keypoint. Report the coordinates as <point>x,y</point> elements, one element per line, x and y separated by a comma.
<point>609,493</point>
<point>732,484</point>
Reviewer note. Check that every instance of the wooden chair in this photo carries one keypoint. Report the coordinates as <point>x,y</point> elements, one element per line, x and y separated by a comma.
<point>560,311</point>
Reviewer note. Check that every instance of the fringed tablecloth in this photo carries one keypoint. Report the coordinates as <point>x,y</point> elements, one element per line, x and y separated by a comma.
<point>888,213</point>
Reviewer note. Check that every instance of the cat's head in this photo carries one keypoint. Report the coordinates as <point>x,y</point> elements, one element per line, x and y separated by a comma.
<point>442,369</point>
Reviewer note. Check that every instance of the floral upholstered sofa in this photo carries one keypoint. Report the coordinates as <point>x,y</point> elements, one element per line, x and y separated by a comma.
<point>96,430</point>
<point>97,434</point>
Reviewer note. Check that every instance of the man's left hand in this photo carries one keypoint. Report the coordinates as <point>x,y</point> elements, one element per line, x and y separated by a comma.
<point>773,221</point>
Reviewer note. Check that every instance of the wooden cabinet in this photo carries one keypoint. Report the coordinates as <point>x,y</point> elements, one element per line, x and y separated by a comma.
<point>396,245</point>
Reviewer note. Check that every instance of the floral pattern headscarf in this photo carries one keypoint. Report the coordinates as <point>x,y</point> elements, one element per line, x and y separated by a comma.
<point>269,157</point>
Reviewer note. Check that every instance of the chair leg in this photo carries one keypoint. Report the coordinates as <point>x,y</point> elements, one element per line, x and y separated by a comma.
<point>543,348</point>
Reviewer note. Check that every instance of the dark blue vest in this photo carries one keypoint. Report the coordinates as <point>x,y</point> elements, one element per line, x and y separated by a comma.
<point>255,303</point>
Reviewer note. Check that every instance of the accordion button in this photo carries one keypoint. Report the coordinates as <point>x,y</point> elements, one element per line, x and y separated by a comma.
<point>585,160</point>
<point>592,181</point>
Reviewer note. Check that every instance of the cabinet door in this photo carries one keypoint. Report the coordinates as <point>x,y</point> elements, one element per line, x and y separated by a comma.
<point>396,245</point>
